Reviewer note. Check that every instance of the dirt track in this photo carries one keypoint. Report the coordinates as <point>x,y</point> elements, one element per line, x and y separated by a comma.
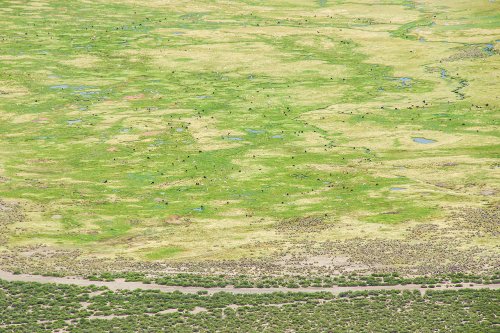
<point>121,284</point>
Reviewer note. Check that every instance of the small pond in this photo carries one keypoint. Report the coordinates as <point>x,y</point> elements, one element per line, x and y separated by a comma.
<point>423,140</point>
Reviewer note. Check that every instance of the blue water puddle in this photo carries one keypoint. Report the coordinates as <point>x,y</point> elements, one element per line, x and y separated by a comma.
<point>77,90</point>
<point>86,93</point>
<point>277,136</point>
<point>179,129</point>
<point>405,81</point>
<point>489,48</point>
<point>125,130</point>
<point>249,130</point>
<point>178,33</point>
<point>234,138</point>
<point>397,189</point>
<point>422,40</point>
<point>199,209</point>
<point>157,143</point>
<point>60,86</point>
<point>80,87</point>
<point>74,121</point>
<point>444,74</point>
<point>423,140</point>
<point>85,90</point>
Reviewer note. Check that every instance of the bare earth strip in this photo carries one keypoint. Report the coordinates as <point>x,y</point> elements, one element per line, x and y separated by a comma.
<point>120,284</point>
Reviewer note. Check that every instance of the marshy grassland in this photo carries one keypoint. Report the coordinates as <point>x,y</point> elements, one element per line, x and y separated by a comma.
<point>249,166</point>
<point>237,137</point>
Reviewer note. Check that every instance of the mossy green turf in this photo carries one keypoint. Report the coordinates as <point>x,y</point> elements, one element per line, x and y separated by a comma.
<point>60,119</point>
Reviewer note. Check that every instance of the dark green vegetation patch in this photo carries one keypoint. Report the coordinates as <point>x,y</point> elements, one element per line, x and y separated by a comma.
<point>87,309</point>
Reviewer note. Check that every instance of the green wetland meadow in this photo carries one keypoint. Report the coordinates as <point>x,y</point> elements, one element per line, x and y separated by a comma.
<point>249,144</point>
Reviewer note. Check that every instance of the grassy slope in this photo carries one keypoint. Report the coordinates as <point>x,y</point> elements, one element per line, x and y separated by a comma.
<point>188,130</point>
